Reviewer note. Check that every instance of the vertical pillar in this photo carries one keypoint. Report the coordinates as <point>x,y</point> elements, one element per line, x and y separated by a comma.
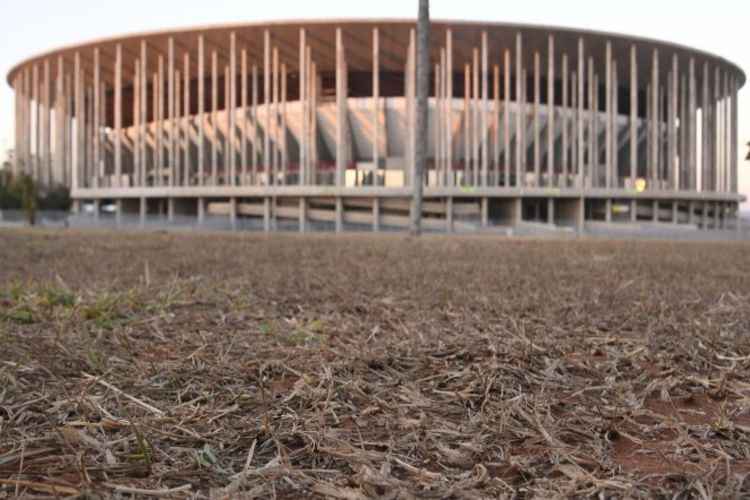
<point>159,103</point>
<point>551,211</point>
<point>303,214</point>
<point>214,118</point>
<point>693,128</point>
<point>654,120</point>
<point>475,124</point>
<point>340,109</point>
<point>672,160</point>
<point>675,212</point>
<point>593,166</point>
<point>734,146</point>
<point>171,110</point>
<point>579,118</point>
<point>537,131</point>
<point>449,91</point>
<point>284,150</point>
<point>144,114</point>
<point>256,140</point>
<point>564,122</point>
<point>244,120</point>
<point>339,214</point>
<point>608,210</point>
<point>201,211</point>
<point>376,215</point>
<point>34,119</point>
<point>201,117</point>
<point>303,101</point>
<point>275,143</point>
<point>233,213</point>
<point>467,122</point>
<point>615,128</point>
<point>231,106</point>
<point>655,210</point>
<point>187,125</point>
<point>705,133</point>
<point>59,124</point>
<point>506,119</point>
<point>496,121</point>
<point>550,110</point>
<point>142,212</point>
<point>520,155</point>
<point>449,214</point>
<point>609,115</point>
<point>376,104</point>
<point>267,106</point>
<point>80,120</point>
<point>485,93</point>
<point>633,116</point>
<point>633,210</point>
<point>136,127</point>
<point>46,178</point>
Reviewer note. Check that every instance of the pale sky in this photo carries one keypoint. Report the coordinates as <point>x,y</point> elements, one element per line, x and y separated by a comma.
<point>33,26</point>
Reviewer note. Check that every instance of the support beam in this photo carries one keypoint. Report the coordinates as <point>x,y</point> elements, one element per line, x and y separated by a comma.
<point>551,131</point>
<point>633,116</point>
<point>201,117</point>
<point>520,113</point>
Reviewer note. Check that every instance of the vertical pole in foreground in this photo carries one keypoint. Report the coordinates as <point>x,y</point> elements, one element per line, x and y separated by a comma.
<point>423,64</point>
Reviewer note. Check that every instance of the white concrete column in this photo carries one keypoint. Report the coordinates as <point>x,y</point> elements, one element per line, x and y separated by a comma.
<point>449,117</point>
<point>580,118</point>
<point>475,120</point>
<point>655,123</point>
<point>214,119</point>
<point>143,132</point>
<point>537,128</point>
<point>550,110</point>
<point>520,112</point>
<point>171,110</point>
<point>256,146</point>
<point>496,125</point>
<point>303,102</point>
<point>734,184</point>
<point>609,116</point>
<point>376,104</point>
<point>267,106</point>
<point>244,119</point>
<point>376,215</point>
<point>201,116</point>
<point>564,124</point>
<point>693,128</point>
<point>187,123</point>
<point>340,110</point>
<point>80,120</point>
<point>231,109</point>
<point>633,116</point>
<point>46,156</point>
<point>673,163</point>
<point>506,119</point>
<point>467,123</point>
<point>485,105</point>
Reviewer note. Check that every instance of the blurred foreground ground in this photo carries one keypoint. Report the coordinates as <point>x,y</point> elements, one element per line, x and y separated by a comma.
<point>197,365</point>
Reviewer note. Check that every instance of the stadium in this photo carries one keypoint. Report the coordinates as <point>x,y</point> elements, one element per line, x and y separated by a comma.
<point>310,124</point>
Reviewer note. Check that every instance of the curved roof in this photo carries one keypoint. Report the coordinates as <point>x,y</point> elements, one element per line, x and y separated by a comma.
<point>394,36</point>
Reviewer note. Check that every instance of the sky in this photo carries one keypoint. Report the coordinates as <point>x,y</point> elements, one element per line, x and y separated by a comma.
<point>719,26</point>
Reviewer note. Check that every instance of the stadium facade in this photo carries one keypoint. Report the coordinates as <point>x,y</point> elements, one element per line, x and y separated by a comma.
<point>314,121</point>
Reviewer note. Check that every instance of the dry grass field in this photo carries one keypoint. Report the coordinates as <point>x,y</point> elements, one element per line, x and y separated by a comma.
<point>353,367</point>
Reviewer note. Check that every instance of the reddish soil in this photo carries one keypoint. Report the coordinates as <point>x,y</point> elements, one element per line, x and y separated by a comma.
<point>355,367</point>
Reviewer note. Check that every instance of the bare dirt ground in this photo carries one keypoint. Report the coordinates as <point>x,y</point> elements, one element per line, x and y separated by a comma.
<point>244,366</point>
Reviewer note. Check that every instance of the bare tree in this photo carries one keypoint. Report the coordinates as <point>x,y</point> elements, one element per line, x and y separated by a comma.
<point>423,75</point>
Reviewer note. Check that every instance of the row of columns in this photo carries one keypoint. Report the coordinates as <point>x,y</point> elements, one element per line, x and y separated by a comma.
<point>64,134</point>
